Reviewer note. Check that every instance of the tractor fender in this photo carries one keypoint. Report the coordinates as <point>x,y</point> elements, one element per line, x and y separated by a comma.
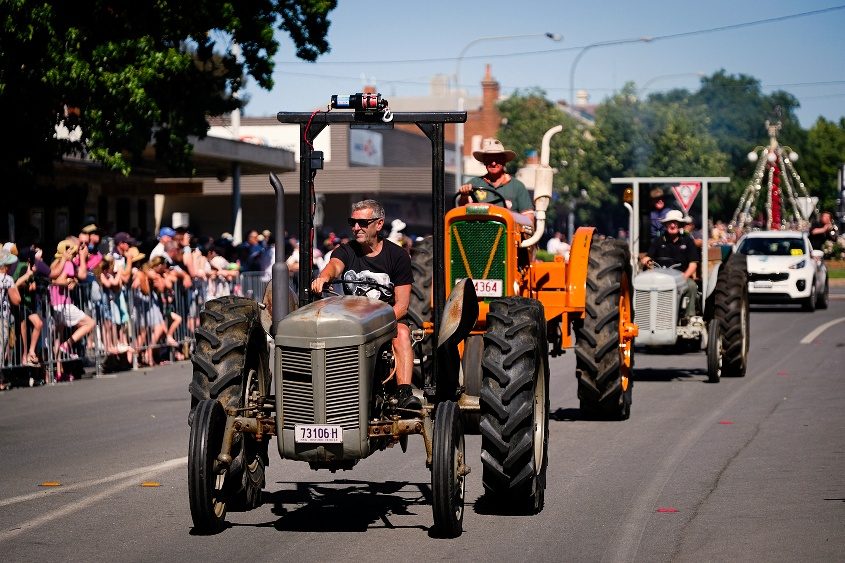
<point>459,317</point>
<point>710,299</point>
<point>459,314</point>
<point>576,269</point>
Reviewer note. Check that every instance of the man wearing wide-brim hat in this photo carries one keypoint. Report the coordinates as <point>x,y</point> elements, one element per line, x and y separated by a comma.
<point>494,156</point>
<point>675,247</point>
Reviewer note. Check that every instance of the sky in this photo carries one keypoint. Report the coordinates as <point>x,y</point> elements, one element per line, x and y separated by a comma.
<point>401,46</point>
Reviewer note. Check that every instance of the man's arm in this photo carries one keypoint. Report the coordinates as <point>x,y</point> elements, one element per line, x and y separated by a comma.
<point>332,270</point>
<point>401,300</point>
<point>82,270</point>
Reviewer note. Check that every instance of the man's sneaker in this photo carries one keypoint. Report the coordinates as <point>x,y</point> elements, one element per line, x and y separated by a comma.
<point>407,399</point>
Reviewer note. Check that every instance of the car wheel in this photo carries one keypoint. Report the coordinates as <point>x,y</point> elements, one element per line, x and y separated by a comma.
<point>809,302</point>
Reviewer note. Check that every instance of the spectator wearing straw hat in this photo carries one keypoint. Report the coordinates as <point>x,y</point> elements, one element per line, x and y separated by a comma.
<point>65,312</point>
<point>494,156</point>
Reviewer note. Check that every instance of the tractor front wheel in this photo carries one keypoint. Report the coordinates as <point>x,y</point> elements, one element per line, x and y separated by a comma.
<point>448,471</point>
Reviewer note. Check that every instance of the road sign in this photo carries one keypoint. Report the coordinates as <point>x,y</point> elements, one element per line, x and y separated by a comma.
<point>685,194</point>
<point>807,205</point>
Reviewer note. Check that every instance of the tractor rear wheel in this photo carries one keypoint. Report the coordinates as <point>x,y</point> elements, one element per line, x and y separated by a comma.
<point>603,357</point>
<point>231,365</point>
<point>732,308</point>
<point>515,404</point>
<point>419,307</point>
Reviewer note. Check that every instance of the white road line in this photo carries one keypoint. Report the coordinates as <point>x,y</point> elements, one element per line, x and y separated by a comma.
<point>76,505</point>
<point>812,335</point>
<point>625,545</point>
<point>85,484</point>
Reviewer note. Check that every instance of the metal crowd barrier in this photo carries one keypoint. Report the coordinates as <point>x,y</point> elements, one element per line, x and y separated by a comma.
<point>131,329</point>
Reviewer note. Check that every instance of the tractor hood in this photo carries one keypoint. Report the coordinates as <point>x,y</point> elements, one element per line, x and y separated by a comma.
<point>336,321</point>
<point>660,279</point>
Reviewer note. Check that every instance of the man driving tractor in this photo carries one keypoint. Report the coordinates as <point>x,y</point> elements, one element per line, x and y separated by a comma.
<point>675,247</point>
<point>514,193</point>
<point>388,266</point>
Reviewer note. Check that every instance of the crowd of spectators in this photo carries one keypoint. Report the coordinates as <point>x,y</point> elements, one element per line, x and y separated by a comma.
<point>126,302</point>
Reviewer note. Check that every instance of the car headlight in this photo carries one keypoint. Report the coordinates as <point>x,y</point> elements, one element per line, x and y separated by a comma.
<point>798,265</point>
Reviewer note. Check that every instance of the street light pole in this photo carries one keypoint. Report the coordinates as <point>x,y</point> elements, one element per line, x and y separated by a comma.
<point>587,48</point>
<point>459,127</point>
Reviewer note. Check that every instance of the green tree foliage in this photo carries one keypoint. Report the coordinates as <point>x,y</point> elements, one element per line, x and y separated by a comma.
<point>823,156</point>
<point>738,111</point>
<point>704,133</point>
<point>126,72</point>
<point>527,116</point>
<point>653,138</point>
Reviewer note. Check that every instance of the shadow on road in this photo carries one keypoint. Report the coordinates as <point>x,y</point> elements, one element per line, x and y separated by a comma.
<point>776,308</point>
<point>344,505</point>
<point>668,374</point>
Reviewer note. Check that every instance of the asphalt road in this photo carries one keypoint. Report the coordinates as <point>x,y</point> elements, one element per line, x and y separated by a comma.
<point>749,468</point>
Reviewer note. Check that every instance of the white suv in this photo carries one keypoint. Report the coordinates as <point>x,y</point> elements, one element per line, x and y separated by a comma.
<point>783,268</point>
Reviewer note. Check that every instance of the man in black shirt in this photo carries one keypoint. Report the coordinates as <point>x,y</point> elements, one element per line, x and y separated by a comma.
<point>822,231</point>
<point>369,257</point>
<point>675,247</point>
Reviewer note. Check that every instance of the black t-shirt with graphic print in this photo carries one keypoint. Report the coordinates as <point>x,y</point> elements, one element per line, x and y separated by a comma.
<point>390,267</point>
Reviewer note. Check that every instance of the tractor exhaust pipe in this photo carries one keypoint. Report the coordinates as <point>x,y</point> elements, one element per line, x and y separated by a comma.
<point>281,276</point>
<point>542,189</point>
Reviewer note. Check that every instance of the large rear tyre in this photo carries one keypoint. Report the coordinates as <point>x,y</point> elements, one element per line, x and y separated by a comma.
<point>208,481</point>
<point>471,366</point>
<point>448,471</point>
<point>515,404</point>
<point>603,356</point>
<point>419,307</point>
<point>732,310</point>
<point>231,366</point>
<point>714,351</point>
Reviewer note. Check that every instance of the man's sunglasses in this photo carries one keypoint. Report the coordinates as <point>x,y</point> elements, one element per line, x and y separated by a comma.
<point>363,222</point>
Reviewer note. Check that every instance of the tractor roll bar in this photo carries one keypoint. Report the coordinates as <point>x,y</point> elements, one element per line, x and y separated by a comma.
<point>432,125</point>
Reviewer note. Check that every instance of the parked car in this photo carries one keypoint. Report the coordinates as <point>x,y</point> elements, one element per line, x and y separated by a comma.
<point>784,268</point>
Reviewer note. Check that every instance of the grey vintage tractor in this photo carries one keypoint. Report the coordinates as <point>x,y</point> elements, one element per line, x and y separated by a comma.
<point>328,398</point>
<point>720,324</point>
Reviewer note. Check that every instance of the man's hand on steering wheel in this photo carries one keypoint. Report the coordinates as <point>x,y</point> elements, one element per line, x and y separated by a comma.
<point>317,285</point>
<point>468,189</point>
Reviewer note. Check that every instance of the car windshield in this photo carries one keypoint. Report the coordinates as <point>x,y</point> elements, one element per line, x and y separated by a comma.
<point>787,246</point>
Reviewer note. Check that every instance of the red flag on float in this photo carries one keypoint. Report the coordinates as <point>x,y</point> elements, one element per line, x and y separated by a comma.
<point>685,194</point>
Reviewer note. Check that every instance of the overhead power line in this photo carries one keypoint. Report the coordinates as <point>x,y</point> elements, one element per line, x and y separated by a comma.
<point>652,39</point>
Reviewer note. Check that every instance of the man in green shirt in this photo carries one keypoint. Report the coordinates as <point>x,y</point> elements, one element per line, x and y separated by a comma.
<point>494,156</point>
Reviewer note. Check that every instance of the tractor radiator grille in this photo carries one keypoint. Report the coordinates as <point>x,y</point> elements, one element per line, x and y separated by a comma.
<point>472,243</point>
<point>342,387</point>
<point>297,389</point>
<point>661,302</point>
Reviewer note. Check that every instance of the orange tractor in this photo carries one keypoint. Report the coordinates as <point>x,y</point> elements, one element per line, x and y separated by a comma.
<point>527,310</point>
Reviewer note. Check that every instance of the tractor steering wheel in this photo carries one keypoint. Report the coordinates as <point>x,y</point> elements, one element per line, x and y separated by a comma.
<point>497,197</point>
